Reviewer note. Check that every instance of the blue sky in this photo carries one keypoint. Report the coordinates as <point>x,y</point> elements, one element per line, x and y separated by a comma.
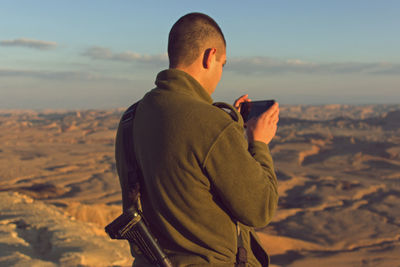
<point>104,54</point>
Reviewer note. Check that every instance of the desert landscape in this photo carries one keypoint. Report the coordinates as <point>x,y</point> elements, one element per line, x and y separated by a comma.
<point>338,168</point>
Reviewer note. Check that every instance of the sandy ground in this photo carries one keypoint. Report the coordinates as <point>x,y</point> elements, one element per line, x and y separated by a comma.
<point>338,169</point>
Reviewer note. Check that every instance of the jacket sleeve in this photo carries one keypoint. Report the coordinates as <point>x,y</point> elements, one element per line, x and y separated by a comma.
<point>243,176</point>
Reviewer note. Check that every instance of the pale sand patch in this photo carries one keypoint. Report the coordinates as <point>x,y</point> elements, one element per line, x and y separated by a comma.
<point>99,214</point>
<point>276,245</point>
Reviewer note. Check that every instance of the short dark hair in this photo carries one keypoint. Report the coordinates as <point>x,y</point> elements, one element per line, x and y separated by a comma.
<point>188,37</point>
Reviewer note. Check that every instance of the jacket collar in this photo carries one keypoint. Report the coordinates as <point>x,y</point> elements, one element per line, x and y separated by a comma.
<point>181,82</point>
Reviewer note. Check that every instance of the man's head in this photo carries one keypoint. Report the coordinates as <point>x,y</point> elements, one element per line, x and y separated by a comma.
<point>190,36</point>
<point>197,45</point>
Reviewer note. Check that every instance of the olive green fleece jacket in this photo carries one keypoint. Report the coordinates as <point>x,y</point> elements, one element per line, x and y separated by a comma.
<point>200,174</point>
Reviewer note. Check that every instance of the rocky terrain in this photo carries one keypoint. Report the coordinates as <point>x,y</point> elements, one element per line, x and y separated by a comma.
<point>338,168</point>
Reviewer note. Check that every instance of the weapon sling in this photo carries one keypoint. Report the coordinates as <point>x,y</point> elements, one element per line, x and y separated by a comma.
<point>131,224</point>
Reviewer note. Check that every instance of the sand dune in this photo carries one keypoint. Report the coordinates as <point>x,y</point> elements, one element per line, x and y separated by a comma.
<point>338,168</point>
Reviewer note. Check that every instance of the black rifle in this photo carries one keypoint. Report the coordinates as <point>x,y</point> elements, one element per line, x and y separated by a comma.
<point>131,225</point>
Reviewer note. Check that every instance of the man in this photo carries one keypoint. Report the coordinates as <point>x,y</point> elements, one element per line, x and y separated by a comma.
<point>205,187</point>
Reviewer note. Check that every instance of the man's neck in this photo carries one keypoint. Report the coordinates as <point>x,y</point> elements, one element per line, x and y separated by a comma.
<point>194,71</point>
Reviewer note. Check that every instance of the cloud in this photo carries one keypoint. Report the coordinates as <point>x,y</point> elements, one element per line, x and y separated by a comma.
<point>257,65</point>
<point>51,75</point>
<point>23,42</point>
<point>266,65</point>
<point>103,53</point>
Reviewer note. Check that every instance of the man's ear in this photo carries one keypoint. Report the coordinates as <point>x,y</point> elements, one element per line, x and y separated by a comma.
<point>209,53</point>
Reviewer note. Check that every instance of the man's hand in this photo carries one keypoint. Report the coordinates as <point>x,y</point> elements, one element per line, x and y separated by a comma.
<point>263,128</point>
<point>240,100</point>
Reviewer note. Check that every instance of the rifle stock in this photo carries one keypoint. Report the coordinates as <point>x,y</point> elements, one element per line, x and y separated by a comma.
<point>131,226</point>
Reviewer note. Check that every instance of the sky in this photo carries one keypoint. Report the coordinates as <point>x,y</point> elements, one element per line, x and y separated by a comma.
<point>82,54</point>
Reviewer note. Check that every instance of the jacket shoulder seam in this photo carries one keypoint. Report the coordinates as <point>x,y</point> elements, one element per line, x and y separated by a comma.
<point>231,124</point>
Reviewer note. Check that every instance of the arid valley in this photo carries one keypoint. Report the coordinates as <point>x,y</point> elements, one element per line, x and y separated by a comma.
<point>338,168</point>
